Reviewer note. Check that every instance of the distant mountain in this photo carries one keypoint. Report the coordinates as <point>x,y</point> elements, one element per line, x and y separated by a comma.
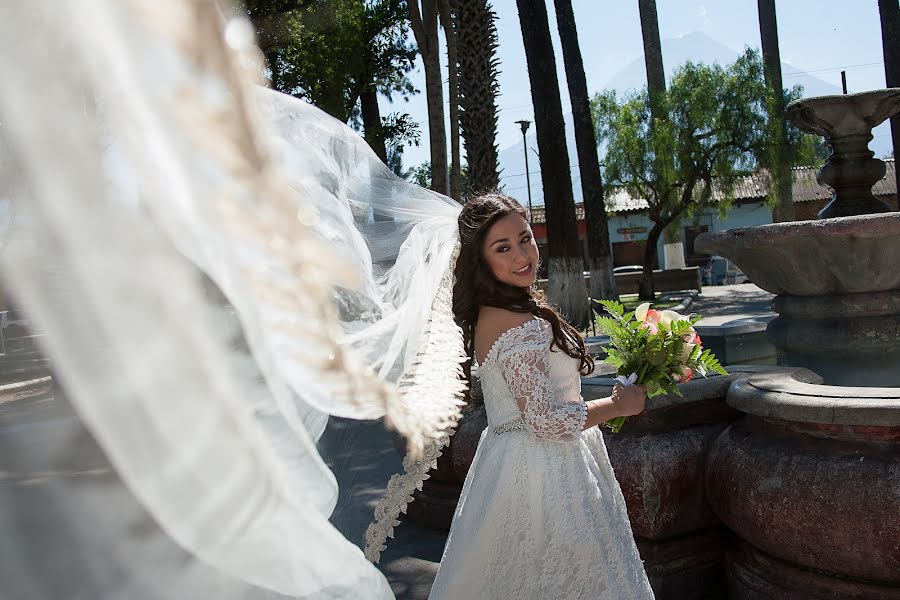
<point>697,47</point>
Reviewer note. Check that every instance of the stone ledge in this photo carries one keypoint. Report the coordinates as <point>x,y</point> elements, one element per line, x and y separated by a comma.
<point>736,327</point>
<point>698,389</point>
<point>784,396</point>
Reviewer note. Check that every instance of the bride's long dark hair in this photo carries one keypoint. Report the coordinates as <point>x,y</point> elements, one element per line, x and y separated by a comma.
<point>476,285</point>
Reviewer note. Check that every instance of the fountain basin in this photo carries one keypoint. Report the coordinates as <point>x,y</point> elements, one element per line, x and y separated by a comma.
<point>659,460</point>
<point>838,289</point>
<point>809,479</point>
<point>846,255</point>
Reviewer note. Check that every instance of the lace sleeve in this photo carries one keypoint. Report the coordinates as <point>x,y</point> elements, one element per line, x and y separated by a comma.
<point>526,369</point>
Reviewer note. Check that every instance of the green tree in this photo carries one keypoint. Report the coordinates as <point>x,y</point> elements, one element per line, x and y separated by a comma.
<point>420,175</point>
<point>338,54</point>
<point>399,130</point>
<point>716,127</point>
<point>423,16</point>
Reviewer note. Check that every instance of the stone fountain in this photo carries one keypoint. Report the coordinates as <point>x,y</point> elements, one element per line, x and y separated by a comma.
<point>809,476</point>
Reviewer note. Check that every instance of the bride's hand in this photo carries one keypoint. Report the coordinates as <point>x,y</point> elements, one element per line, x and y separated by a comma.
<point>629,400</point>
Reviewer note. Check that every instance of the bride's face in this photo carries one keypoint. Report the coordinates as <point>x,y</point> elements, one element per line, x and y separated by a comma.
<point>511,252</point>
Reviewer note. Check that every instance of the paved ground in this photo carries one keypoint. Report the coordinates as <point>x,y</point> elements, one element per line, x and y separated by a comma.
<point>721,304</point>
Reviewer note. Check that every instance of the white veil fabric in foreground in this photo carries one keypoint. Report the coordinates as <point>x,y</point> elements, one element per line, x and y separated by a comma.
<point>217,269</point>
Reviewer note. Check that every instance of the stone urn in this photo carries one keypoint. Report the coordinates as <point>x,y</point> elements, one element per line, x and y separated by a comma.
<point>846,123</point>
<point>838,287</point>
<point>809,480</point>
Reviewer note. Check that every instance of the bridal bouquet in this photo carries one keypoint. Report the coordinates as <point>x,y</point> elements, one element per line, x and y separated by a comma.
<point>656,348</point>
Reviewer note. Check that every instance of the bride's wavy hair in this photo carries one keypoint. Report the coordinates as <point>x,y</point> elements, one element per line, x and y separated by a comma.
<point>476,285</point>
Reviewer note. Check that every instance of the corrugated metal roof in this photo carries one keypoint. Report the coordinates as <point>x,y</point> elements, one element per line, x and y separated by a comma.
<point>748,188</point>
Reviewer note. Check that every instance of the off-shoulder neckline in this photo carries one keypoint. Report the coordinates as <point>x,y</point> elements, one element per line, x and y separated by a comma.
<point>494,349</point>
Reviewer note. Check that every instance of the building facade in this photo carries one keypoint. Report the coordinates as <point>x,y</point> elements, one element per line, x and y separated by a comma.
<point>629,223</point>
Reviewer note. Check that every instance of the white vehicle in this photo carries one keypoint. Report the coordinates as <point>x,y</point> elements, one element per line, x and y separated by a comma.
<point>629,269</point>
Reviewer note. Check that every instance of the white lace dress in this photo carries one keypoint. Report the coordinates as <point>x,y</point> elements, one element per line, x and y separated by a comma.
<point>541,515</point>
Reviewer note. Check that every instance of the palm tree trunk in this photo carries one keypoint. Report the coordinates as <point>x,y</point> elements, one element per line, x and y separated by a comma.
<point>566,286</point>
<point>424,25</point>
<point>603,283</point>
<point>371,117</point>
<point>653,60</point>
<point>779,162</point>
<point>478,89</point>
<point>890,41</point>
<point>656,90</point>
<point>448,22</point>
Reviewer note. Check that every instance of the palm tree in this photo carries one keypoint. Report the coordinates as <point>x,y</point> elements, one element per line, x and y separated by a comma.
<point>779,162</point>
<point>603,283</point>
<point>424,21</point>
<point>565,262</point>
<point>656,90</point>
<point>478,88</point>
<point>890,40</point>
<point>448,12</point>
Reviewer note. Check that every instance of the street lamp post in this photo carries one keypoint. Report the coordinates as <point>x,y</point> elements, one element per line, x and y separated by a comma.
<point>524,125</point>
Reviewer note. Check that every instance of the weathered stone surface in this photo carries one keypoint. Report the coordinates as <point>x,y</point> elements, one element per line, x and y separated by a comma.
<point>687,567</point>
<point>812,495</point>
<point>465,440</point>
<point>815,258</point>
<point>869,304</point>
<point>661,476</point>
<point>782,396</point>
<point>753,575</point>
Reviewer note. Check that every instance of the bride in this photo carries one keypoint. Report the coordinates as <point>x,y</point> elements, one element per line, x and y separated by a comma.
<point>541,514</point>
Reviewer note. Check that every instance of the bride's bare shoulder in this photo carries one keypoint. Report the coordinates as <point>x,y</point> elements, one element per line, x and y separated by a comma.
<point>492,323</point>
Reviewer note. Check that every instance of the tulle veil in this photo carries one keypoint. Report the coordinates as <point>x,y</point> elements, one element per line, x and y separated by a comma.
<point>217,268</point>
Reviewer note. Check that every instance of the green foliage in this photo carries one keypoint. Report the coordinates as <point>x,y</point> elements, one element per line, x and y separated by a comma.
<point>716,126</point>
<point>658,357</point>
<point>420,175</point>
<point>329,51</point>
<point>399,130</point>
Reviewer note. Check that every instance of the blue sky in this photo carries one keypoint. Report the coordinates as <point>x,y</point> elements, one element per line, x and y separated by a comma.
<point>818,37</point>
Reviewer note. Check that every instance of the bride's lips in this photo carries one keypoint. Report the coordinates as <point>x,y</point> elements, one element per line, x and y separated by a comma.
<point>526,270</point>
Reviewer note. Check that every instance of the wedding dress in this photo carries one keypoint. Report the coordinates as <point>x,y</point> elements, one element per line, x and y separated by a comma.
<point>541,514</point>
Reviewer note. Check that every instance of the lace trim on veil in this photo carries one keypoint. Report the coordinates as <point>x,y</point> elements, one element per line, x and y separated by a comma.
<point>433,386</point>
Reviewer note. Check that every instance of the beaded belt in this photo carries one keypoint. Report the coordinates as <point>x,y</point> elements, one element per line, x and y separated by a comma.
<point>514,425</point>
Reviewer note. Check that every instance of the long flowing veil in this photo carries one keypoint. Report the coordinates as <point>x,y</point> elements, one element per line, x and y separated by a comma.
<point>217,268</point>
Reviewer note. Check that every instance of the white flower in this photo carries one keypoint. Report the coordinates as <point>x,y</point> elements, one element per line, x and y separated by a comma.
<point>667,317</point>
<point>640,313</point>
<point>626,381</point>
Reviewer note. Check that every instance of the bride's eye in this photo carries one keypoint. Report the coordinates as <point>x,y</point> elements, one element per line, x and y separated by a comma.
<point>503,249</point>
